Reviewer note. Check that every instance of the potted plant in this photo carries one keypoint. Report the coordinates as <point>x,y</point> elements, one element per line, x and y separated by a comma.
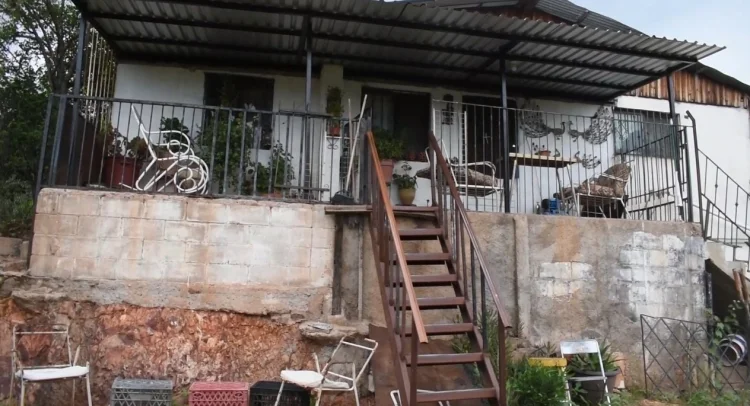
<point>124,160</point>
<point>587,365</point>
<point>389,149</point>
<point>269,179</point>
<point>335,108</point>
<point>406,184</point>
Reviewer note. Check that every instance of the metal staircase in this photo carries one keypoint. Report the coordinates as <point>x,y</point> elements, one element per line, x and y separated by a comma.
<point>462,272</point>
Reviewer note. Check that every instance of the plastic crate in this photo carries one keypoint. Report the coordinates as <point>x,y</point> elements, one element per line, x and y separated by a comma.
<point>140,392</point>
<point>264,393</point>
<point>219,394</point>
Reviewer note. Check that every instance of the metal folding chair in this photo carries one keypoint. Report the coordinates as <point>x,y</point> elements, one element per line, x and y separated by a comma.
<point>43,373</point>
<point>584,347</point>
<point>325,380</point>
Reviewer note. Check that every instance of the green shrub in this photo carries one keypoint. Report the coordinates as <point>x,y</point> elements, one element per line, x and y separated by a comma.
<point>16,208</point>
<point>535,385</point>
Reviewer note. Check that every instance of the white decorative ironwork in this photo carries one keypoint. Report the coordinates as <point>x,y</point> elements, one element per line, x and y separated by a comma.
<point>174,161</point>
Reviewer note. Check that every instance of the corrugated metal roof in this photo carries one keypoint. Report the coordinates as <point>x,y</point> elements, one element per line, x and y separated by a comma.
<point>398,39</point>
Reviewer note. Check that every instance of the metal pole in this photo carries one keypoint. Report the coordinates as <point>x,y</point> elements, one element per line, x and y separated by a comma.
<point>308,102</point>
<point>79,57</point>
<point>670,90</point>
<point>505,137</point>
<point>698,174</point>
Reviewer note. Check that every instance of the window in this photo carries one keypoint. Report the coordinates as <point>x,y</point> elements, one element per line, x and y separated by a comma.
<point>406,115</point>
<point>645,133</point>
<point>243,92</point>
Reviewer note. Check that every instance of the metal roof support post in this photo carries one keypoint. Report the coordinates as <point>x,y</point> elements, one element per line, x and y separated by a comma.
<point>79,56</point>
<point>307,134</point>
<point>670,90</point>
<point>506,139</point>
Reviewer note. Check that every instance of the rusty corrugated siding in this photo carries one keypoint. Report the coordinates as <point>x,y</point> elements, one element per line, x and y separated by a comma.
<point>695,88</point>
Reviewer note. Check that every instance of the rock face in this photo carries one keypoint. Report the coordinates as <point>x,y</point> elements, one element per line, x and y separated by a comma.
<point>130,341</point>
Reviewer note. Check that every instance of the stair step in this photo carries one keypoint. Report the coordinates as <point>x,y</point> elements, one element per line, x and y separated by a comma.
<point>447,359</point>
<point>459,394</point>
<point>431,280</point>
<point>415,209</point>
<point>420,233</point>
<point>427,258</point>
<point>445,329</point>
<point>435,303</point>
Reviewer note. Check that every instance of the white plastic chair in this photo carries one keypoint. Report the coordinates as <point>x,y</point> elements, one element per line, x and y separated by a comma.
<point>43,373</point>
<point>186,171</point>
<point>323,380</point>
<point>584,347</point>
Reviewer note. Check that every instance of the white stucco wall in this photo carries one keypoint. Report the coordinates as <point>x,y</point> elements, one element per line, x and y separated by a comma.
<point>724,133</point>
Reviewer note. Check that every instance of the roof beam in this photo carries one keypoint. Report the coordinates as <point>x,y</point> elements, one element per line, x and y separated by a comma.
<point>264,8</point>
<point>367,59</point>
<point>644,82</point>
<point>367,41</point>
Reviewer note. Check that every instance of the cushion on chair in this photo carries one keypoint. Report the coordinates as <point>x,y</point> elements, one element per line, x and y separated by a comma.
<point>47,374</point>
<point>310,379</point>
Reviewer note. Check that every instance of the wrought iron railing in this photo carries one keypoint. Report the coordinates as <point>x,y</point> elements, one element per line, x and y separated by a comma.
<point>93,142</point>
<point>723,205</point>
<point>683,357</point>
<point>551,155</point>
<point>475,279</point>
<point>397,290</point>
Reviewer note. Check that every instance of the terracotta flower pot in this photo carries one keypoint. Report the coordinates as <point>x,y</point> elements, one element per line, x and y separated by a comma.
<point>119,171</point>
<point>544,153</point>
<point>387,166</point>
<point>406,196</point>
<point>335,131</point>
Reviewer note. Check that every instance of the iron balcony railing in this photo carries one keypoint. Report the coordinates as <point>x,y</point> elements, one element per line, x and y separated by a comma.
<point>92,142</point>
<point>553,154</point>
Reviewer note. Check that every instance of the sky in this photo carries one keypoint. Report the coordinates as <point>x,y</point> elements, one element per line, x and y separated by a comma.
<point>717,22</point>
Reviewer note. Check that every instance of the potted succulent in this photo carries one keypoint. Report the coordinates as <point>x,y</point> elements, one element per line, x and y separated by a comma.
<point>406,184</point>
<point>124,160</point>
<point>390,149</point>
<point>587,365</point>
<point>334,108</point>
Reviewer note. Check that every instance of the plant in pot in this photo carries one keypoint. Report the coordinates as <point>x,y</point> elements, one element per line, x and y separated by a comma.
<point>406,184</point>
<point>587,365</point>
<point>124,160</point>
<point>390,149</point>
<point>269,180</point>
<point>335,109</point>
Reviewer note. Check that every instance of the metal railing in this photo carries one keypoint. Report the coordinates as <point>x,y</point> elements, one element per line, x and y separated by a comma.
<point>474,278</point>
<point>685,357</point>
<point>552,154</point>
<point>723,205</point>
<point>92,142</point>
<point>397,290</point>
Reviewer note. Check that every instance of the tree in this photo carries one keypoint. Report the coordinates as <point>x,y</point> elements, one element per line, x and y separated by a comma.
<point>46,32</point>
<point>38,40</point>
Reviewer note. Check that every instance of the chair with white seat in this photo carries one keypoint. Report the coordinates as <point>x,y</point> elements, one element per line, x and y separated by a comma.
<point>325,380</point>
<point>584,347</point>
<point>44,373</point>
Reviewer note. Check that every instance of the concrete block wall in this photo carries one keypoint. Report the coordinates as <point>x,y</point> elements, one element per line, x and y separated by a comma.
<point>98,235</point>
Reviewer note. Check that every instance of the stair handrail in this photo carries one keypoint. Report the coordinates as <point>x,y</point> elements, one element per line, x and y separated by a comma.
<point>445,169</point>
<point>458,220</point>
<point>385,202</point>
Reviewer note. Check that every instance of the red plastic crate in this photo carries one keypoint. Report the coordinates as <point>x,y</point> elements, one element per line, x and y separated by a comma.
<point>219,394</point>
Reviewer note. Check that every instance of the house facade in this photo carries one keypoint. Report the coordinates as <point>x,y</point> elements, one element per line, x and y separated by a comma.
<point>210,152</point>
